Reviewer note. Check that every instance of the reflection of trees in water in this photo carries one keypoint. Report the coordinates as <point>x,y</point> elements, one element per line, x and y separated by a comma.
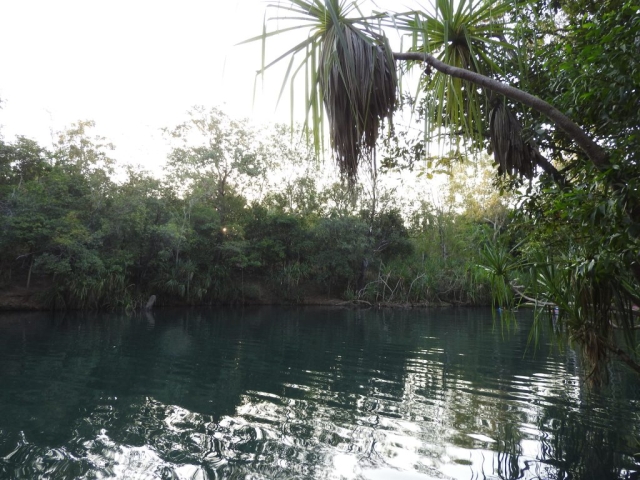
<point>507,459</point>
<point>292,390</point>
<point>587,452</point>
<point>421,395</point>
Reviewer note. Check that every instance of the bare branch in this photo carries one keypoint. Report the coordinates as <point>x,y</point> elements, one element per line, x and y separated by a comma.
<point>540,303</point>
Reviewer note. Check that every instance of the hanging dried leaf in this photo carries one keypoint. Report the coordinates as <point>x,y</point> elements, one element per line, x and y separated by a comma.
<point>358,81</point>
<point>511,152</point>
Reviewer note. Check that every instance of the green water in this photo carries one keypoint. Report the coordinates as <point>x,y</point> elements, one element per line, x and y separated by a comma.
<point>303,393</point>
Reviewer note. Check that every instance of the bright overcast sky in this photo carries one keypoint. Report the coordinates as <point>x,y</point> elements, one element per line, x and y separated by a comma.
<point>132,66</point>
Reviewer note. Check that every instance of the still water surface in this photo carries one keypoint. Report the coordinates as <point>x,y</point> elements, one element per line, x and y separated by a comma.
<point>304,393</point>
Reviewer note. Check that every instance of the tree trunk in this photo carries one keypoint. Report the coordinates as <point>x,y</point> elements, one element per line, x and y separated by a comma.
<point>29,274</point>
<point>594,151</point>
<point>150,302</point>
<point>363,270</point>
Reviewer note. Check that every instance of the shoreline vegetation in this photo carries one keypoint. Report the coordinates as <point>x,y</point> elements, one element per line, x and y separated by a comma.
<point>18,299</point>
<point>494,77</point>
<point>79,232</point>
<point>241,216</point>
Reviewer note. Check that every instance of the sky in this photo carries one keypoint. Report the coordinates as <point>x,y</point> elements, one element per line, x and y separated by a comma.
<point>135,67</point>
<point>131,66</point>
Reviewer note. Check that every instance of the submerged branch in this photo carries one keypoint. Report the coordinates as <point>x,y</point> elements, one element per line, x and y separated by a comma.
<point>624,356</point>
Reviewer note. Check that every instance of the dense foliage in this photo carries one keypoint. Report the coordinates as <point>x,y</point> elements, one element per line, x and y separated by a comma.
<point>550,88</point>
<point>578,245</point>
<point>237,218</point>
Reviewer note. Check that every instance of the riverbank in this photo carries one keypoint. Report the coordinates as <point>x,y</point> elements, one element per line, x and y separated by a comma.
<point>21,299</point>
<point>34,299</point>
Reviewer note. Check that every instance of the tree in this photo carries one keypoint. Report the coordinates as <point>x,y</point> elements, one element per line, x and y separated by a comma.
<point>217,153</point>
<point>578,243</point>
<point>350,69</point>
<point>471,53</point>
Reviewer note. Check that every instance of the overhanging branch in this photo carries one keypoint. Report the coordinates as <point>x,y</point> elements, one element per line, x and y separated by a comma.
<point>594,151</point>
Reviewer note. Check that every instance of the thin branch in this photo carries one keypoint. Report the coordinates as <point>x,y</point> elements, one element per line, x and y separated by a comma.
<point>556,148</point>
<point>414,281</point>
<point>549,169</point>
<point>594,151</point>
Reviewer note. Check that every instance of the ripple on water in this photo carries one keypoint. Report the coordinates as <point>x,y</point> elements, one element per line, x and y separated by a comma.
<point>295,398</point>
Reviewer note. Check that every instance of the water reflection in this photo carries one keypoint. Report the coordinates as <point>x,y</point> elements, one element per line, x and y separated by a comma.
<point>313,393</point>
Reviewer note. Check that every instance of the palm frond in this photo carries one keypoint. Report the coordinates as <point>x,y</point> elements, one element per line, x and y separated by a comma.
<point>359,84</point>
<point>467,34</point>
<point>348,68</point>
<point>512,154</point>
